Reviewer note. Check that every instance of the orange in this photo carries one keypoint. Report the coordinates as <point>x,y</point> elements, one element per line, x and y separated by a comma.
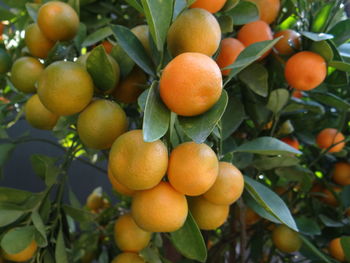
<point>107,45</point>
<point>328,196</point>
<point>328,137</point>
<point>209,5</point>
<point>191,84</point>
<point>341,173</point>
<point>208,216</point>
<point>228,186</point>
<point>128,258</point>
<point>305,70</point>
<point>94,201</point>
<point>297,94</point>
<point>268,9</point>
<point>291,141</point>
<point>138,164</point>
<point>285,239</point>
<point>65,88</point>
<point>38,44</point>
<point>38,116</point>
<point>128,236</point>
<point>289,43</point>
<point>193,168</point>
<point>254,32</point>
<point>101,123</point>
<point>5,61</point>
<point>24,255</point>
<point>160,209</point>
<point>251,217</point>
<point>142,33</point>
<point>58,21</point>
<point>194,30</point>
<point>2,27</point>
<point>130,88</point>
<point>230,49</point>
<point>118,187</point>
<point>336,249</point>
<point>25,72</point>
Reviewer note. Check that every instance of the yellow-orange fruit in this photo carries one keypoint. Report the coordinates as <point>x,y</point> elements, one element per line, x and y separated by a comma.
<point>108,46</point>
<point>194,30</point>
<point>117,186</point>
<point>268,9</point>
<point>341,173</point>
<point>286,239</point>
<point>336,250</point>
<point>38,44</point>
<point>128,257</point>
<point>209,5</point>
<point>160,209</point>
<point>24,255</point>
<point>128,236</point>
<point>95,201</point>
<point>191,84</point>
<point>291,141</point>
<point>289,43</point>
<point>328,137</point>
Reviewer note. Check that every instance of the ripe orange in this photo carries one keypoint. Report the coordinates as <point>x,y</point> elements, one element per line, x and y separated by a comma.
<point>195,30</point>
<point>160,209</point>
<point>25,72</point>
<point>142,33</point>
<point>228,186</point>
<point>101,123</point>
<point>341,173</point>
<point>336,250</point>
<point>297,94</point>
<point>65,88</point>
<point>251,217</point>
<point>58,21</point>
<point>208,216</point>
<point>94,201</point>
<point>209,5</point>
<point>127,257</point>
<point>24,255</point>
<point>193,168</point>
<point>291,141</point>
<point>230,49</point>
<point>305,70</point>
<point>130,88</point>
<point>118,187</point>
<point>328,137</point>
<point>107,45</point>
<point>128,236</point>
<point>289,43</point>
<point>2,27</point>
<point>138,164</point>
<point>268,9</point>
<point>5,61</point>
<point>38,116</point>
<point>329,197</point>
<point>285,239</point>
<point>38,44</point>
<point>194,70</point>
<point>254,32</point>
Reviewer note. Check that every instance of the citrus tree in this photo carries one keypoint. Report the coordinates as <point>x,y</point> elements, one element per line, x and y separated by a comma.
<point>224,122</point>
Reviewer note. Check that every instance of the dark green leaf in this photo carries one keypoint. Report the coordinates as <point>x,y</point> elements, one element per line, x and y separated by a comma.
<point>126,64</point>
<point>75,4</point>
<point>133,47</point>
<point>345,196</point>
<point>60,251</point>
<point>5,14</point>
<point>14,196</point>
<point>198,128</point>
<point>295,174</point>
<point>340,65</point>
<point>345,243</point>
<point>316,37</point>
<point>324,49</point>
<point>341,32</point>
<point>320,21</point>
<point>314,249</point>
<point>157,116</point>
<point>270,201</point>
<point>17,239</point>
<point>5,151</point>
<point>97,36</point>
<point>268,146</point>
<point>330,222</point>
<point>256,78</point>
<point>308,226</point>
<point>40,227</point>
<point>32,10</point>
<point>244,12</point>
<point>135,4</point>
<point>226,23</point>
<point>158,15</point>
<point>142,99</point>
<point>260,210</point>
<point>230,4</point>
<point>189,241</point>
<point>330,100</point>
<point>297,105</point>
<point>73,199</point>
<point>264,162</point>
<point>44,167</point>
<point>9,216</point>
<point>78,214</point>
<point>277,100</point>
<point>150,254</point>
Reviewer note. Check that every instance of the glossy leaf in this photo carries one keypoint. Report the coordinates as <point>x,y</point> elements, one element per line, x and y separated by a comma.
<point>189,241</point>
<point>308,226</point>
<point>341,32</point>
<point>226,23</point>
<point>277,100</point>
<point>270,201</point>
<point>324,49</point>
<point>316,37</point>
<point>40,227</point>
<point>157,116</point>
<point>97,36</point>
<point>295,174</point>
<point>125,63</point>
<point>267,146</point>
<point>330,100</point>
<point>133,47</point>
<point>229,4</point>
<point>135,4</point>
<point>78,214</point>
<point>198,128</point>
<point>14,196</point>
<point>60,251</point>
<point>44,167</point>
<point>345,243</point>
<point>321,19</point>
<point>17,239</point>
<point>256,78</point>
<point>264,162</point>
<point>9,216</point>
<point>244,12</point>
<point>314,250</point>
<point>32,10</point>
<point>179,6</point>
<point>340,65</point>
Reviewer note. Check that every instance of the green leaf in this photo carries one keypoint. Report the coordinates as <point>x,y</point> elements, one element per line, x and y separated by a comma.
<point>75,4</point>
<point>126,64</point>
<point>198,128</point>
<point>249,55</point>
<point>296,174</point>
<point>17,239</point>
<point>316,37</point>
<point>133,47</point>
<point>135,4</point>
<point>103,71</point>
<point>256,78</point>
<point>265,162</point>
<point>341,32</point>
<point>179,6</point>
<point>324,49</point>
<point>60,251</point>
<point>73,199</point>
<point>314,249</point>
<point>5,151</point>
<point>14,196</point>
<point>150,254</point>
<point>158,15</point>
<point>97,36</point>
<point>32,10</point>
<point>244,12</point>
<point>44,167</point>
<point>340,65</point>
<point>267,146</point>
<point>330,222</point>
<point>270,201</point>
<point>9,216</point>
<point>226,23</point>
<point>229,5</point>
<point>320,21</point>
<point>308,226</point>
<point>330,100</point>
<point>277,100</point>
<point>40,227</point>
<point>189,241</point>
<point>297,105</point>
<point>345,243</point>
<point>157,116</point>
<point>5,14</point>
<point>80,215</point>
<point>232,118</point>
